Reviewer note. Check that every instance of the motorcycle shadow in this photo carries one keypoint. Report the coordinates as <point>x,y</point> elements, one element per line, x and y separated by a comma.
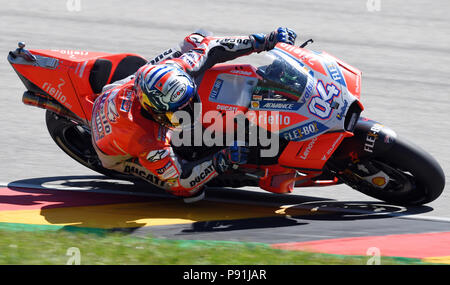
<point>223,210</point>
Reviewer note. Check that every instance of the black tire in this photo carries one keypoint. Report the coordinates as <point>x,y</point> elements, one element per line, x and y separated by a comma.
<point>75,140</point>
<point>419,177</point>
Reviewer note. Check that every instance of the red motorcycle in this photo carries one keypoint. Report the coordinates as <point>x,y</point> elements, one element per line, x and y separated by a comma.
<point>309,101</point>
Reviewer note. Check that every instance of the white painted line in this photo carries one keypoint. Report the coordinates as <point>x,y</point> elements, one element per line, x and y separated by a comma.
<point>426,218</point>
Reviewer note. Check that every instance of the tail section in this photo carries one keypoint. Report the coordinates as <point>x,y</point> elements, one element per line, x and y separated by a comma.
<point>67,80</point>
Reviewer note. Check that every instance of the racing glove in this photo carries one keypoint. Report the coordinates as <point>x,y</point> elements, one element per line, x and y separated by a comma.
<point>264,42</point>
<point>230,157</point>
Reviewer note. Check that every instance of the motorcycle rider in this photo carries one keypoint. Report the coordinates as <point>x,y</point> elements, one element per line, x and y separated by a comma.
<point>132,118</point>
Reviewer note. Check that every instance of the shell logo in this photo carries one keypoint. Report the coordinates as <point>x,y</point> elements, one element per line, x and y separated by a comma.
<point>379,181</point>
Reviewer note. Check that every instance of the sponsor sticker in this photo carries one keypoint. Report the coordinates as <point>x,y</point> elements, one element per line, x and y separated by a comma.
<point>304,131</point>
<point>216,89</point>
<point>309,90</point>
<point>226,108</point>
<point>307,151</point>
<point>372,137</point>
<point>255,104</point>
<point>285,106</point>
<point>56,92</point>
<point>257,97</point>
<point>271,118</point>
<point>342,112</point>
<point>241,72</point>
<point>335,73</point>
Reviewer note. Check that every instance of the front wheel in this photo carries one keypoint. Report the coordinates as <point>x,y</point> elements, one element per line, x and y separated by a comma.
<point>405,175</point>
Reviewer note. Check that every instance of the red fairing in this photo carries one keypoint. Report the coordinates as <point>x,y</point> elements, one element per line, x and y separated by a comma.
<point>352,77</point>
<point>69,83</point>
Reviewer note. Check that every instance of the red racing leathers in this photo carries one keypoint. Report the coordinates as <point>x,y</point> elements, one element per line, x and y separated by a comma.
<point>130,143</point>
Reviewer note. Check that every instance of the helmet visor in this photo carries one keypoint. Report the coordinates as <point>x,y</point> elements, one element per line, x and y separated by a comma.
<point>184,116</point>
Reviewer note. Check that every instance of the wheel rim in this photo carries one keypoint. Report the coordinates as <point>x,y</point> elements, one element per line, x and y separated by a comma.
<point>400,181</point>
<point>73,139</point>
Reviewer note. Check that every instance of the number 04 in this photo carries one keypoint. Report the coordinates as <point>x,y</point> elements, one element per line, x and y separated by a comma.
<point>320,105</point>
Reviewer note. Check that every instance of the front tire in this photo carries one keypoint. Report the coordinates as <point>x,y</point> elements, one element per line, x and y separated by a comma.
<point>415,177</point>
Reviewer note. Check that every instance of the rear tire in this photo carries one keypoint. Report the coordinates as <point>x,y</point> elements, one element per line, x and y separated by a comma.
<point>416,177</point>
<point>75,140</point>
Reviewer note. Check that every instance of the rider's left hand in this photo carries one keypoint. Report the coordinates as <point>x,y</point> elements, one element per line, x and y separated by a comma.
<point>286,35</point>
<point>263,42</point>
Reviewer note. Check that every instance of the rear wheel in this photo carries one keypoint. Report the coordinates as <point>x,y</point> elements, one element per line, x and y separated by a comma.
<point>405,175</point>
<point>75,140</point>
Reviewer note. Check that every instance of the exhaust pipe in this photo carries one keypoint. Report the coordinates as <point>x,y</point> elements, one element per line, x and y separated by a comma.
<point>48,103</point>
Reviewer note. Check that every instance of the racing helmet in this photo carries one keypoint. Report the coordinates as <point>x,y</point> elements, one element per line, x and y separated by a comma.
<point>163,90</point>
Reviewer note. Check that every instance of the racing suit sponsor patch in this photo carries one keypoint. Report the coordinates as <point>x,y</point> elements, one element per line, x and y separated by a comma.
<point>202,176</point>
<point>125,106</point>
<point>231,43</point>
<point>111,110</point>
<point>142,172</point>
<point>156,155</point>
<point>200,173</point>
<point>168,172</point>
<point>102,126</point>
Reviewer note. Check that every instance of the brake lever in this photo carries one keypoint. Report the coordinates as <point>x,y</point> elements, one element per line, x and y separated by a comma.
<point>310,41</point>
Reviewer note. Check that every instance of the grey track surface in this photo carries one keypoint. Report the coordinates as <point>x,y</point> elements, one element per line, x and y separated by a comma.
<point>402,50</point>
<point>293,229</point>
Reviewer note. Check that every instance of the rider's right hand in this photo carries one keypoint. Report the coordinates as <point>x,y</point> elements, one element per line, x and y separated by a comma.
<point>231,156</point>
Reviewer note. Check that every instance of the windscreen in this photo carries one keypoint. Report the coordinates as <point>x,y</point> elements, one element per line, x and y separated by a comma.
<point>283,77</point>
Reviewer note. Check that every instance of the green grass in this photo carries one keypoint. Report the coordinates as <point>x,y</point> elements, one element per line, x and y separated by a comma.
<point>51,247</point>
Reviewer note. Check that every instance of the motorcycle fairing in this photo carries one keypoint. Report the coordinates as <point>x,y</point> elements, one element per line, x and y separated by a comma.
<point>226,89</point>
<point>289,114</point>
<point>72,77</point>
<point>327,103</point>
<point>51,77</point>
<point>313,59</point>
<point>311,155</point>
